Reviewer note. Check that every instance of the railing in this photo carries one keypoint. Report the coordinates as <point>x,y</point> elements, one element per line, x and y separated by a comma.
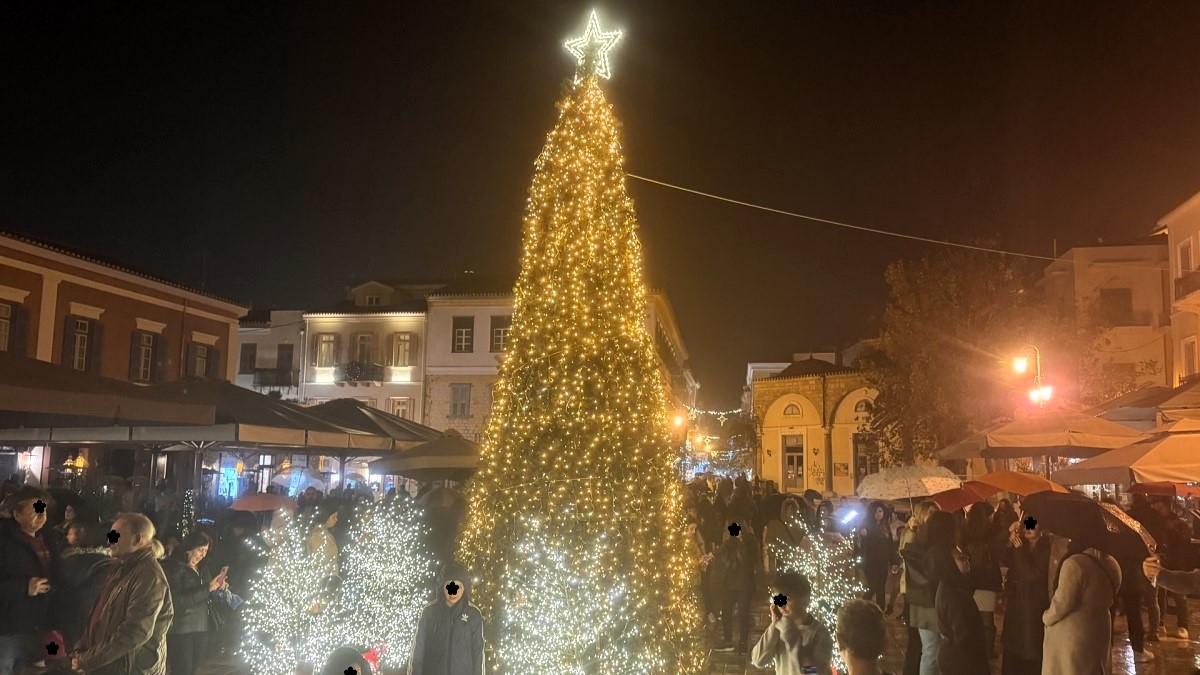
<point>275,377</point>
<point>1187,284</point>
<point>1143,317</point>
<point>357,371</point>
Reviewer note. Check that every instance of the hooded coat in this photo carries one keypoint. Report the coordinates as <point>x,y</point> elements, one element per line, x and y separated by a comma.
<point>1078,626</point>
<point>449,640</point>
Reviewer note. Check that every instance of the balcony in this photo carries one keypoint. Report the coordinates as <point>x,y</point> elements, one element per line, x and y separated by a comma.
<point>356,372</point>
<point>1122,319</point>
<point>1187,284</point>
<point>275,377</point>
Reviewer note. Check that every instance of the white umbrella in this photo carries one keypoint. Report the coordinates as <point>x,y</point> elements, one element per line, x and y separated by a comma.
<point>298,479</point>
<point>907,482</point>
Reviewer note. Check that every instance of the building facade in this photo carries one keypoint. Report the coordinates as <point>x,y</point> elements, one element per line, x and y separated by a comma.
<point>270,351</point>
<point>811,417</point>
<point>1124,290</point>
<point>469,322</point>
<point>1182,227</point>
<point>370,348</point>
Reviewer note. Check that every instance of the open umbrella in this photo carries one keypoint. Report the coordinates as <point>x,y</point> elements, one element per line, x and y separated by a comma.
<point>971,492</point>
<point>1098,525</point>
<point>906,482</point>
<point>1167,456</point>
<point>441,497</point>
<point>298,478</point>
<point>262,502</point>
<point>1019,483</point>
<point>1165,489</point>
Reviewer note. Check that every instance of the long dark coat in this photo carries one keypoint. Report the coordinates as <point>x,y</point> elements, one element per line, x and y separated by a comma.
<point>1028,597</point>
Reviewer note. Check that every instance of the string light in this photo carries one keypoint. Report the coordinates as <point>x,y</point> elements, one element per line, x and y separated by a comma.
<point>579,574</point>
<point>591,49</point>
<point>721,415</point>
<point>830,565</point>
<point>187,519</point>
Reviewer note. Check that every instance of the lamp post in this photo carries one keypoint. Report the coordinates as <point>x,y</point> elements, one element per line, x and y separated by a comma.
<point>1041,391</point>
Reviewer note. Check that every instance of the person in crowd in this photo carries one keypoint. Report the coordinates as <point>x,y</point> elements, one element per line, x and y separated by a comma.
<point>70,514</point>
<point>794,640</point>
<point>1184,583</point>
<point>187,639</point>
<point>1003,518</point>
<point>86,563</point>
<point>704,558</point>
<point>1133,592</point>
<point>325,516</point>
<point>127,629</point>
<point>26,564</point>
<point>980,546</point>
<point>1028,597</point>
<point>921,590</point>
<point>861,637</point>
<point>912,651</point>
<point>1078,635</point>
<point>724,493</point>
<point>237,548</point>
<point>163,507</point>
<point>878,551</point>
<point>449,637</point>
<point>782,530</point>
<point>1176,552</point>
<point>735,564</point>
<point>962,649</point>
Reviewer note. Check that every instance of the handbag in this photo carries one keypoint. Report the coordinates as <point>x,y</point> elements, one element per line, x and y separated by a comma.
<point>219,611</point>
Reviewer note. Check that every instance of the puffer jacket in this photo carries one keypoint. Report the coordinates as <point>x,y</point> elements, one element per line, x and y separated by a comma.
<point>189,597</point>
<point>465,649</point>
<point>83,572</point>
<point>129,636</point>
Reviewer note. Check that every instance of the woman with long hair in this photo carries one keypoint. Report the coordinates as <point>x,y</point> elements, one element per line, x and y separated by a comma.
<point>878,551</point>
<point>962,637</point>
<point>979,543</point>
<point>187,639</point>
<point>920,656</point>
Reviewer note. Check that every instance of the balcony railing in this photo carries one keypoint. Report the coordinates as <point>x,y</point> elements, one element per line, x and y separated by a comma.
<point>357,371</point>
<point>1187,284</point>
<point>1143,317</point>
<point>275,377</point>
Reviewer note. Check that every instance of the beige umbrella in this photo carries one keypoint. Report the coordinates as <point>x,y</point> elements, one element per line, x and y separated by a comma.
<point>450,457</point>
<point>1172,456</point>
<point>1055,433</point>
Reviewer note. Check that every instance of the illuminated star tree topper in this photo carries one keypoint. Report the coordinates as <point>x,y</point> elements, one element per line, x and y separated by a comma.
<point>591,49</point>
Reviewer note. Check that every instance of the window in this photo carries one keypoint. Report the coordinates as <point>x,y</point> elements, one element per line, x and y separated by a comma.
<point>6,317</point>
<point>1189,357</point>
<point>402,407</point>
<point>249,359</point>
<point>142,369</point>
<point>1116,306</point>
<point>402,349</point>
<point>200,359</point>
<point>793,461</point>
<point>1185,257</point>
<point>326,350</point>
<point>500,328</point>
<point>464,335</point>
<point>283,357</point>
<point>79,344</point>
<point>460,400</point>
<point>372,301</point>
<point>863,406</point>
<point>792,410</point>
<point>364,348</point>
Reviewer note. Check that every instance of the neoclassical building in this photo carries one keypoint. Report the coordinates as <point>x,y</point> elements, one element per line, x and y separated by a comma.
<point>811,416</point>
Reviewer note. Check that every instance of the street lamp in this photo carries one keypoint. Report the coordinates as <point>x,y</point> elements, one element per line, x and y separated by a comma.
<point>1041,391</point>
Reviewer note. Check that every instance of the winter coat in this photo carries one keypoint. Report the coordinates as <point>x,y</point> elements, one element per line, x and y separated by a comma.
<point>736,562</point>
<point>20,613</point>
<point>921,591</point>
<point>789,646</point>
<point>465,647</point>
<point>964,648</point>
<point>82,574</point>
<point>1028,597</point>
<point>129,636</point>
<point>878,549</point>
<point>1078,626</point>
<point>189,597</point>
<point>985,565</point>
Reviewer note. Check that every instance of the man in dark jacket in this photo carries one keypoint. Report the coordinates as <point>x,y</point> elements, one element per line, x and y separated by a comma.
<point>736,561</point>
<point>449,638</point>
<point>1176,553</point>
<point>25,574</point>
<point>127,631</point>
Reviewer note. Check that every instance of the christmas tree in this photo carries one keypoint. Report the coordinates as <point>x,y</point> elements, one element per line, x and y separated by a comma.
<point>575,525</point>
<point>287,615</point>
<point>388,580</point>
<point>829,562</point>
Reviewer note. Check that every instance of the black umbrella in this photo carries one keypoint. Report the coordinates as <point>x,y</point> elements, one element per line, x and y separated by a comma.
<point>1097,525</point>
<point>810,495</point>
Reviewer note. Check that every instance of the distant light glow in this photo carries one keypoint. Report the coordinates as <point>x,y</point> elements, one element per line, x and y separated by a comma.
<point>1021,364</point>
<point>1041,394</point>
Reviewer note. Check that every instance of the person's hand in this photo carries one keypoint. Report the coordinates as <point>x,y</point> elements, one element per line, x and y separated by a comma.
<point>1151,567</point>
<point>38,585</point>
<point>1014,534</point>
<point>776,614</point>
<point>75,663</point>
<point>895,569</point>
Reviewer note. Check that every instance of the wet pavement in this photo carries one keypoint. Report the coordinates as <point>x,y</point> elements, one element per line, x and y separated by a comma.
<point>1173,656</point>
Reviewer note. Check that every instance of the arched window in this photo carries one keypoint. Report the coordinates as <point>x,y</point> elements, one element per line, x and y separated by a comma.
<point>792,409</point>
<point>863,406</point>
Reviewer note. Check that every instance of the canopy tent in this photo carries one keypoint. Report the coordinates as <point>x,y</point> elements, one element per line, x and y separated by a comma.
<point>36,394</point>
<point>1138,409</point>
<point>1169,456</point>
<point>387,431</point>
<point>449,457</point>
<point>1055,433</point>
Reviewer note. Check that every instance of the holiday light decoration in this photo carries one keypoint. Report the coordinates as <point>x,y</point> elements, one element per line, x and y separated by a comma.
<point>721,415</point>
<point>287,615</point>
<point>577,501</point>
<point>829,562</point>
<point>187,519</point>
<point>389,577</point>
<point>591,49</point>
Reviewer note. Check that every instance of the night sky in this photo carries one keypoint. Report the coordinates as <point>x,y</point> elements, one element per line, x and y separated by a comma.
<point>301,147</point>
